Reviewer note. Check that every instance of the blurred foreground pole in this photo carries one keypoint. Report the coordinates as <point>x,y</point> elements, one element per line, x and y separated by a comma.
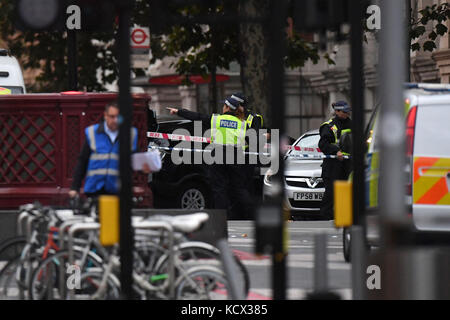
<point>413,264</point>
<point>125,117</point>
<point>320,263</point>
<point>357,103</point>
<point>391,134</point>
<point>277,36</point>
<point>392,118</point>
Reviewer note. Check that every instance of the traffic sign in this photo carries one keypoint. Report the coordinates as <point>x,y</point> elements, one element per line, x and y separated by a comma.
<point>140,47</point>
<point>140,38</point>
<point>140,61</point>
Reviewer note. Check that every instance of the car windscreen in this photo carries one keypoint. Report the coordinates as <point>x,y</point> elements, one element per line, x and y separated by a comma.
<point>309,142</point>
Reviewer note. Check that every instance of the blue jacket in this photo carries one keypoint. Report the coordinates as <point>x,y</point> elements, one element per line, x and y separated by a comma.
<point>99,161</point>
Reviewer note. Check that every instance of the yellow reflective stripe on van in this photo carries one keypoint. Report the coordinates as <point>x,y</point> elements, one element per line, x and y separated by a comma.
<point>373,182</point>
<point>407,105</point>
<point>5,91</point>
<point>430,181</point>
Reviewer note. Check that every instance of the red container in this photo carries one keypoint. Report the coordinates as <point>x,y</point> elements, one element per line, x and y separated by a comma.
<point>41,136</point>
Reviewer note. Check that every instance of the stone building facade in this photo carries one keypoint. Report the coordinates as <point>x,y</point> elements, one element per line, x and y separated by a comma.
<point>311,89</point>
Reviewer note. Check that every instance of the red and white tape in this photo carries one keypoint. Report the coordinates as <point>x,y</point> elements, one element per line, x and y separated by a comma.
<point>177,137</point>
<point>295,148</point>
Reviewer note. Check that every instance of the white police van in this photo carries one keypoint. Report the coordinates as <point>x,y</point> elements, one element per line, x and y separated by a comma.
<point>427,113</point>
<point>11,78</point>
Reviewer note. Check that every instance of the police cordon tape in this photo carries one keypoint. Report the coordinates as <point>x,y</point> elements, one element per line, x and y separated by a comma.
<point>179,137</point>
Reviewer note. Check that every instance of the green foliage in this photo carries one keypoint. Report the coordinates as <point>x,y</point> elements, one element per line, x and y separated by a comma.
<point>197,48</point>
<point>47,52</point>
<point>437,14</point>
<point>299,51</point>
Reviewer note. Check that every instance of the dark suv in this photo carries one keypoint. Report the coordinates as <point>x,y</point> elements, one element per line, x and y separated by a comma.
<point>185,186</point>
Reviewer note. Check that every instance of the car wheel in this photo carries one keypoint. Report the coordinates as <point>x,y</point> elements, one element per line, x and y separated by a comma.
<point>347,240</point>
<point>194,196</point>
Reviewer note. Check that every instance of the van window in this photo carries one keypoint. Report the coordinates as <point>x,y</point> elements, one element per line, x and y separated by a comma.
<point>432,133</point>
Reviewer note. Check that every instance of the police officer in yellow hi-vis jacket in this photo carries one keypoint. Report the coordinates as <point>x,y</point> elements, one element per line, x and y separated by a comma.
<point>331,134</point>
<point>228,180</point>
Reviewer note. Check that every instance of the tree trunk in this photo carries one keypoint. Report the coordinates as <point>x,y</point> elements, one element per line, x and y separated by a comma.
<point>254,58</point>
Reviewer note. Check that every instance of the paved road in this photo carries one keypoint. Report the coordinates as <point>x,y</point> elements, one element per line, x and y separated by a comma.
<point>300,259</point>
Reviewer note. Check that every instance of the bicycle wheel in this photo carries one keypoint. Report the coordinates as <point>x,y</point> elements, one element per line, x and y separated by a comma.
<point>90,283</point>
<point>194,253</point>
<point>45,282</point>
<point>202,283</point>
<point>146,256</point>
<point>13,277</point>
<point>12,247</point>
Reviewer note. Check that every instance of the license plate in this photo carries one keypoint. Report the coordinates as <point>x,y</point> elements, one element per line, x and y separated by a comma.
<point>308,196</point>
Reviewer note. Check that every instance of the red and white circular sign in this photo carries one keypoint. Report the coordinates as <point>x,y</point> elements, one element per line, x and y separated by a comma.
<point>140,38</point>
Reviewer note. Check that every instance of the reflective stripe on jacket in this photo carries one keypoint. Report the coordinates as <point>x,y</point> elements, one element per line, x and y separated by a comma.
<point>251,117</point>
<point>333,128</point>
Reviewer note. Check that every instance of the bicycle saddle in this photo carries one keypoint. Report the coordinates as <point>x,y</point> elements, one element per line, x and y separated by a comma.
<point>184,223</point>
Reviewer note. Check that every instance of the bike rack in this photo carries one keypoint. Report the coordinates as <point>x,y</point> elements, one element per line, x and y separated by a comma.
<point>167,226</point>
<point>78,226</point>
<point>62,230</point>
<point>20,218</point>
<point>230,268</point>
<point>29,226</point>
<point>66,224</point>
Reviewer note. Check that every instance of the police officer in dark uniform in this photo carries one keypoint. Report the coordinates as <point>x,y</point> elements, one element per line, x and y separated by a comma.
<point>228,181</point>
<point>254,121</point>
<point>331,134</point>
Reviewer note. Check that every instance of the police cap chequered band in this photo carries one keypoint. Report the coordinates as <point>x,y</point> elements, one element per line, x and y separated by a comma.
<point>237,98</point>
<point>341,106</point>
<point>229,104</point>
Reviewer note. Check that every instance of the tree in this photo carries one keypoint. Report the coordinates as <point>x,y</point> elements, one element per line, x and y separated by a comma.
<point>47,52</point>
<point>199,47</point>
<point>438,14</point>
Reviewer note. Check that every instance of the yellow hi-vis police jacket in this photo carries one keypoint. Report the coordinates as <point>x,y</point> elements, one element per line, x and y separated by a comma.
<point>227,130</point>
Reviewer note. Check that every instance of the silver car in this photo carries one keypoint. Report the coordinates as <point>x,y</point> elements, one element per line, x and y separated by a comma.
<point>303,183</point>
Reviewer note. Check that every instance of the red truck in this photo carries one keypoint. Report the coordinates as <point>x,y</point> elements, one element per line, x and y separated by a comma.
<point>40,139</point>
